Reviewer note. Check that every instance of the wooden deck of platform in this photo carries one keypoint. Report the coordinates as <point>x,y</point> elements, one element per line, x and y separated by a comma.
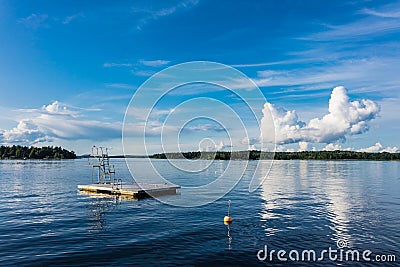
<point>131,189</point>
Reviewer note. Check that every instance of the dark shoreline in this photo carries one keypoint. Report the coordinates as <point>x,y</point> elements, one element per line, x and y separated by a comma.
<point>30,152</point>
<point>57,153</point>
<point>258,155</point>
<point>304,155</point>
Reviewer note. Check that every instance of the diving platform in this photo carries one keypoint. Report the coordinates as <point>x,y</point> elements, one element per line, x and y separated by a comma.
<point>107,183</point>
<point>133,190</point>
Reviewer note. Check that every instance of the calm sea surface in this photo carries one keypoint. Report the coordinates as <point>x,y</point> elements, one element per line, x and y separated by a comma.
<point>302,205</point>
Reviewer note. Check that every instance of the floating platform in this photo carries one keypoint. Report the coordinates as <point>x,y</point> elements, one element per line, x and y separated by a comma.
<point>134,190</point>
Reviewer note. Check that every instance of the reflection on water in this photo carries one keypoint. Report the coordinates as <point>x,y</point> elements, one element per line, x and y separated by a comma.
<point>228,227</point>
<point>335,191</point>
<point>306,198</point>
<point>98,207</point>
<point>319,186</point>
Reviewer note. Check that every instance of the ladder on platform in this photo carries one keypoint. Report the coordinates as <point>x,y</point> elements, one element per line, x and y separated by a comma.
<point>101,168</point>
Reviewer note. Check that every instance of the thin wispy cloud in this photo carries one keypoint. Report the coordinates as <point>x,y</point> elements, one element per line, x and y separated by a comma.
<point>142,73</point>
<point>205,128</point>
<point>388,14</point>
<point>142,63</point>
<point>155,14</point>
<point>361,29</point>
<point>272,63</point>
<point>309,76</point>
<point>34,21</point>
<point>120,85</point>
<point>386,11</point>
<point>352,72</point>
<point>110,65</point>
<point>376,23</point>
<point>69,19</point>
<point>154,63</point>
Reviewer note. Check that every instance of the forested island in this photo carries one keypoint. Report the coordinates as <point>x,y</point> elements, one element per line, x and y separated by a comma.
<point>31,152</point>
<point>304,155</point>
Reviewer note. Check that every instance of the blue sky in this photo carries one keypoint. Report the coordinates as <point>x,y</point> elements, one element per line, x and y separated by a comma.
<point>69,70</point>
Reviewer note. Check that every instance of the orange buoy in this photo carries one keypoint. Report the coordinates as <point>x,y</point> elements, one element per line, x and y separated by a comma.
<point>228,219</point>
<point>227,223</point>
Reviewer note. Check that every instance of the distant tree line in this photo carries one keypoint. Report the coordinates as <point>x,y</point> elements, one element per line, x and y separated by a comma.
<point>304,155</point>
<point>336,155</point>
<point>26,152</point>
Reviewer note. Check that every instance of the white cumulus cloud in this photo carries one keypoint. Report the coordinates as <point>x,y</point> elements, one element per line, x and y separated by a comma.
<point>26,132</point>
<point>303,146</point>
<point>344,117</point>
<point>332,147</point>
<point>377,148</point>
<point>56,121</point>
